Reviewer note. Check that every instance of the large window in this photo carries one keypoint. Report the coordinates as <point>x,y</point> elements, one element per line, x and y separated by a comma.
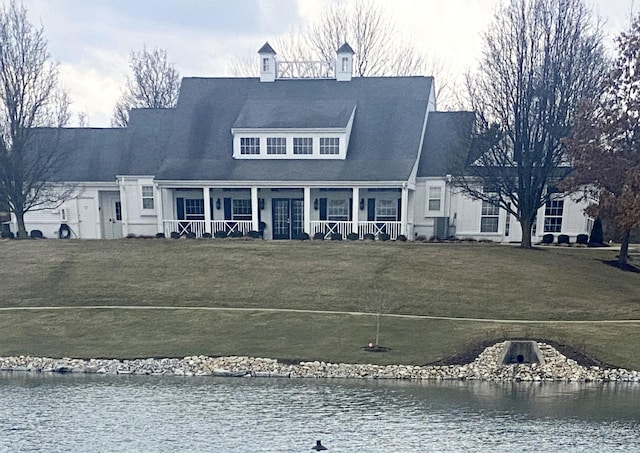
<point>434,201</point>
<point>241,209</point>
<point>553,216</point>
<point>329,145</point>
<point>249,145</point>
<point>194,209</point>
<point>276,145</point>
<point>387,210</point>
<point>147,197</point>
<point>302,145</point>
<point>489,218</point>
<point>338,210</point>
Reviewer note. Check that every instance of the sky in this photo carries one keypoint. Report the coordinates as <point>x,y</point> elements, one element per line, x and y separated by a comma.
<point>92,39</point>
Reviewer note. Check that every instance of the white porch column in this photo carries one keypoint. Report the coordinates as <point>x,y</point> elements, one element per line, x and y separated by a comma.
<point>123,208</point>
<point>254,209</point>
<point>307,210</point>
<point>404,215</point>
<point>207,210</point>
<point>355,209</point>
<point>159,209</point>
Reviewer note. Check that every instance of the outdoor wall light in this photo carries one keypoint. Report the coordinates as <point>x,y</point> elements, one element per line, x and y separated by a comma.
<point>218,204</point>
<point>315,204</point>
<point>362,204</point>
<point>261,203</point>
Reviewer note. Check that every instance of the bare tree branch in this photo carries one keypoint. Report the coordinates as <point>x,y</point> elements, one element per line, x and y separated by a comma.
<point>30,97</point>
<point>154,83</point>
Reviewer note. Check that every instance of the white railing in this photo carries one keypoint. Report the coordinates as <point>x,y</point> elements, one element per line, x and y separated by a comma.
<point>305,69</point>
<point>329,227</point>
<point>231,226</point>
<point>371,227</point>
<point>183,227</point>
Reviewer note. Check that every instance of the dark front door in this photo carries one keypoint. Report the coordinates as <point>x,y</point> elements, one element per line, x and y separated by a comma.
<point>288,220</point>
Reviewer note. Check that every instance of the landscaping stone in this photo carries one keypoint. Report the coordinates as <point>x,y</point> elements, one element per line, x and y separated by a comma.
<point>486,367</point>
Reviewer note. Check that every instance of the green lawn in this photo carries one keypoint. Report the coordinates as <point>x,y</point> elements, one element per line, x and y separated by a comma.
<point>457,280</point>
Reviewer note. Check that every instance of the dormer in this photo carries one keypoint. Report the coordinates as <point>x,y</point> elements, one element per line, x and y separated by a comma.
<point>267,63</point>
<point>344,63</point>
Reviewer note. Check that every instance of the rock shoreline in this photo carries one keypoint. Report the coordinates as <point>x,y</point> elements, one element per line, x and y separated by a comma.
<point>557,368</point>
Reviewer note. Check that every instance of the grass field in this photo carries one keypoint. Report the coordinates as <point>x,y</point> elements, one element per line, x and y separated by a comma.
<point>494,282</point>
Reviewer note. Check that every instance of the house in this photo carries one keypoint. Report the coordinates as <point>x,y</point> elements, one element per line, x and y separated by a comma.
<point>304,148</point>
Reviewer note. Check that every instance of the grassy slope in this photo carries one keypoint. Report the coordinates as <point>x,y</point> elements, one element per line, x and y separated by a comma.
<point>458,280</point>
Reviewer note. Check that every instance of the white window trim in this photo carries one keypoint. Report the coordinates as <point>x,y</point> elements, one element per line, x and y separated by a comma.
<point>151,197</point>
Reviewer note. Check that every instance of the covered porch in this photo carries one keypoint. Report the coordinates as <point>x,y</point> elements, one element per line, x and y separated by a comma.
<point>284,212</point>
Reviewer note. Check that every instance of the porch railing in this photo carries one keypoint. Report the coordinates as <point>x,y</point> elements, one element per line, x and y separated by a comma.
<point>345,227</point>
<point>371,227</point>
<point>330,227</point>
<point>183,227</point>
<point>231,226</point>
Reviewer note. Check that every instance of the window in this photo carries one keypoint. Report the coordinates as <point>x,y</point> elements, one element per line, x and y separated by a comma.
<point>553,216</point>
<point>194,209</point>
<point>241,209</point>
<point>329,145</point>
<point>489,218</point>
<point>147,197</point>
<point>302,145</point>
<point>345,64</point>
<point>249,145</point>
<point>387,210</point>
<point>276,145</point>
<point>434,201</point>
<point>265,65</point>
<point>337,210</point>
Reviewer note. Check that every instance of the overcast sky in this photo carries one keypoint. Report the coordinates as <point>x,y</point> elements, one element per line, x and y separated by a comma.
<point>92,39</point>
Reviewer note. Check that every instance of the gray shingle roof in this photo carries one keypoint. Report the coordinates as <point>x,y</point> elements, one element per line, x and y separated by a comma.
<point>345,48</point>
<point>447,139</point>
<point>194,141</point>
<point>266,48</point>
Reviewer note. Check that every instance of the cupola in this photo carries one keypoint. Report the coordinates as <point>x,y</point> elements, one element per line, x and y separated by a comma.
<point>267,63</point>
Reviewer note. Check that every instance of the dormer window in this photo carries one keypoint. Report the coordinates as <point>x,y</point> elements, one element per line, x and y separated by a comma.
<point>250,145</point>
<point>276,145</point>
<point>302,145</point>
<point>345,64</point>
<point>329,145</point>
<point>265,65</point>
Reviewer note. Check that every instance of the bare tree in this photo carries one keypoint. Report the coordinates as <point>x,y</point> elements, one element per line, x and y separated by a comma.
<point>154,83</point>
<point>30,97</point>
<point>541,57</point>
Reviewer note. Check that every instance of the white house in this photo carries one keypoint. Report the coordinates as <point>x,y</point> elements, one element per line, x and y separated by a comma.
<point>304,148</point>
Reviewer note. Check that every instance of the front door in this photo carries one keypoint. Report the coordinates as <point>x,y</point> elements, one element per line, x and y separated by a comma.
<point>288,217</point>
<point>111,215</point>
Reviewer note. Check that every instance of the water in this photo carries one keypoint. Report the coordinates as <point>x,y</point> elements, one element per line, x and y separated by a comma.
<point>43,412</point>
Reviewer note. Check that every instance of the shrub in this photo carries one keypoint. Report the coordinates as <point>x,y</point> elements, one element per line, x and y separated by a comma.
<point>319,236</point>
<point>301,237</point>
<point>353,236</point>
<point>421,238</point>
<point>336,236</point>
<point>564,239</point>
<point>369,237</point>
<point>597,234</point>
<point>236,234</point>
<point>401,238</point>
<point>582,239</point>
<point>383,237</point>
<point>131,236</point>
<point>547,238</point>
<point>220,234</point>
<point>7,235</point>
<point>36,234</point>
<point>160,235</point>
<point>206,235</point>
<point>190,235</point>
<point>175,235</point>
<point>253,234</point>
